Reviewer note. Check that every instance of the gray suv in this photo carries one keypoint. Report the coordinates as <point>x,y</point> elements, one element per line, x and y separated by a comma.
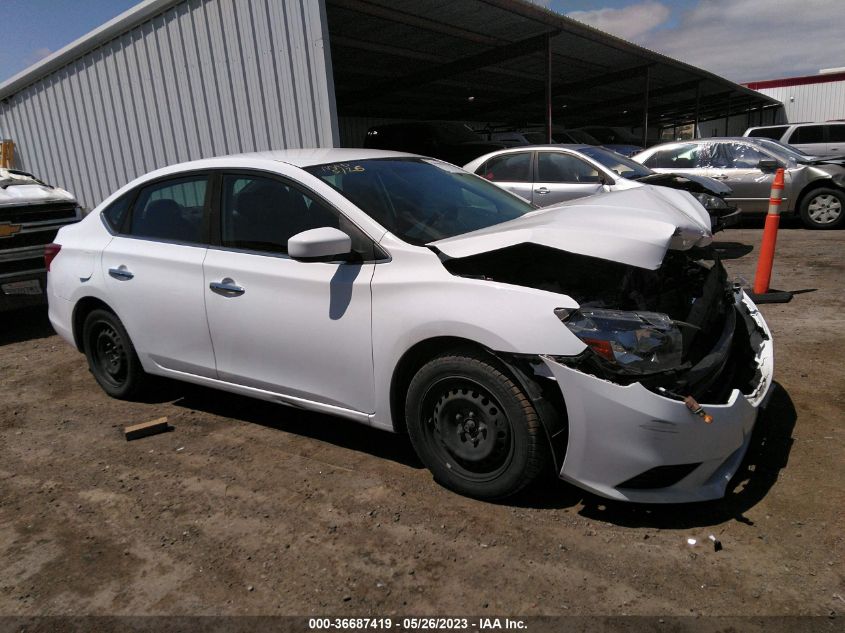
<point>817,139</point>
<point>814,187</point>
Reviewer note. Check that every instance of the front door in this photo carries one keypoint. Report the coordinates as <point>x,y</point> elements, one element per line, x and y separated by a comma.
<point>302,329</point>
<point>736,164</point>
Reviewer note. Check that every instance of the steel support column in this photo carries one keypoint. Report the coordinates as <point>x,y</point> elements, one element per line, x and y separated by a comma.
<point>697,110</point>
<point>645,106</point>
<point>549,88</point>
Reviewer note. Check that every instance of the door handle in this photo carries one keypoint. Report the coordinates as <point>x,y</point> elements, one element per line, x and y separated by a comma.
<point>542,190</point>
<point>719,176</point>
<point>120,273</point>
<point>226,288</point>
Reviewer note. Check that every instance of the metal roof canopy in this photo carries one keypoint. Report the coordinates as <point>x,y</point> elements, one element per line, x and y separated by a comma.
<point>486,60</point>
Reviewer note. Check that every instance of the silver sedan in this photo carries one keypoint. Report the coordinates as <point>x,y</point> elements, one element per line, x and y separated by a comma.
<point>814,187</point>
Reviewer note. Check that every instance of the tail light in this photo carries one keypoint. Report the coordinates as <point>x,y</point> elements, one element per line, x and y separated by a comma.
<point>50,252</point>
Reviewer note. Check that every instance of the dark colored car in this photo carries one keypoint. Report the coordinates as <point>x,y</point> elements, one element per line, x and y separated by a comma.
<point>452,142</point>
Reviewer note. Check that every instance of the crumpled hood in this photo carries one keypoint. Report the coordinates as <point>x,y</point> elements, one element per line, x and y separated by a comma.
<point>19,189</point>
<point>635,227</point>
<point>688,182</point>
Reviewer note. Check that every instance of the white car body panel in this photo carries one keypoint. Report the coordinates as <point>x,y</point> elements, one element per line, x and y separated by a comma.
<point>634,227</point>
<point>162,291</point>
<point>328,336</point>
<point>299,328</point>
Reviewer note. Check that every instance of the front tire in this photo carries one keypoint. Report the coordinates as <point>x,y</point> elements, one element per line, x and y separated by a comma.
<point>111,356</point>
<point>823,209</point>
<point>474,427</point>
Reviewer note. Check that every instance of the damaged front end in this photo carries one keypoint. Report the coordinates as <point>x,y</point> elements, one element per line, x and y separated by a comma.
<point>676,330</point>
<point>657,343</point>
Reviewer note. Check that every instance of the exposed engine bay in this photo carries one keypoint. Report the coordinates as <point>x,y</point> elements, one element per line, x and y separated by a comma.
<point>677,330</point>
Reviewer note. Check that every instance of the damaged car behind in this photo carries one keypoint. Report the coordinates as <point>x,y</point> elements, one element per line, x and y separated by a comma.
<point>600,338</point>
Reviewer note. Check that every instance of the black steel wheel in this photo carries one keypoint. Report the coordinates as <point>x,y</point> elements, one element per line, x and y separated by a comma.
<point>111,356</point>
<point>474,427</point>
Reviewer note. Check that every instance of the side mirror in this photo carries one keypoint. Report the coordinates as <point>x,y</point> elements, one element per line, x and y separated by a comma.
<point>319,244</point>
<point>768,165</point>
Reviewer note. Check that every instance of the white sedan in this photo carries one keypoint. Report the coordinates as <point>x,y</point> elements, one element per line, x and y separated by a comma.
<point>405,293</point>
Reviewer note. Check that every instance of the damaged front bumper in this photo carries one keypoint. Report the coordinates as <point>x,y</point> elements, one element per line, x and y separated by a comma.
<point>629,443</point>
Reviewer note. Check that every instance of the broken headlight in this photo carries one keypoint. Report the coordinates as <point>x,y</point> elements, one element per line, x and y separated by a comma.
<point>710,202</point>
<point>635,342</point>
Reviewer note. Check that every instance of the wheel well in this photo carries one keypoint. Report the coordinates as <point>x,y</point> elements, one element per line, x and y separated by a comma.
<point>545,395</point>
<point>816,184</point>
<point>410,363</point>
<point>81,310</point>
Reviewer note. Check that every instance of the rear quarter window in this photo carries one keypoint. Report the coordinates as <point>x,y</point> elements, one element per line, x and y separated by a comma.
<point>115,214</point>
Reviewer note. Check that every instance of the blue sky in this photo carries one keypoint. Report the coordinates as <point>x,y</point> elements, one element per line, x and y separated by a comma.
<point>743,40</point>
<point>32,29</point>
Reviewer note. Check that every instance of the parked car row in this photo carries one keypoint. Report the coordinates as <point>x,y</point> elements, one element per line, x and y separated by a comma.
<point>549,174</point>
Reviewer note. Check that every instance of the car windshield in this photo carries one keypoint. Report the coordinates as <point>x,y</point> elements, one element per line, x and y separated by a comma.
<point>783,149</point>
<point>618,164</point>
<point>421,200</point>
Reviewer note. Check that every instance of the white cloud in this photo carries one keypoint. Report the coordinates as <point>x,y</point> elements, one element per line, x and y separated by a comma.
<point>629,22</point>
<point>36,56</point>
<point>743,40</point>
<point>746,40</point>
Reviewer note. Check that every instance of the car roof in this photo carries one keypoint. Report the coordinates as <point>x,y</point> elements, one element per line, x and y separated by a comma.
<point>309,157</point>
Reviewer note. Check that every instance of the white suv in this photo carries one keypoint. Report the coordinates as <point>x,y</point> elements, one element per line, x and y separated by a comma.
<point>815,139</point>
<point>407,294</point>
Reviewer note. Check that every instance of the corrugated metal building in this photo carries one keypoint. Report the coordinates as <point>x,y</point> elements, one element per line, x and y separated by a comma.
<point>168,82</point>
<point>810,98</point>
<point>175,80</point>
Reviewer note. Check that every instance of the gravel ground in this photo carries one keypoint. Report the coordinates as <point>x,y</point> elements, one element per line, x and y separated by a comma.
<point>250,508</point>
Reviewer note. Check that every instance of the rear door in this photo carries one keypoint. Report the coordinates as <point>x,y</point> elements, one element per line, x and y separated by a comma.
<point>511,171</point>
<point>153,274</point>
<point>562,176</point>
<point>836,139</point>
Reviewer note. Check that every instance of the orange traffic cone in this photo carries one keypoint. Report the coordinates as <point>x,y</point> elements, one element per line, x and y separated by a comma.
<point>761,293</point>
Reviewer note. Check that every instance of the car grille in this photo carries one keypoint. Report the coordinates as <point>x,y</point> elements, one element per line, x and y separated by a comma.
<point>39,213</point>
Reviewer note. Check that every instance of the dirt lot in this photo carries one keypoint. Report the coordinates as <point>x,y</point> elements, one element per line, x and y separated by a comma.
<point>248,508</point>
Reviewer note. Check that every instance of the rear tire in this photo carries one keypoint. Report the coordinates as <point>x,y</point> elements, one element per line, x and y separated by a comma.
<point>823,209</point>
<point>111,356</point>
<point>474,427</point>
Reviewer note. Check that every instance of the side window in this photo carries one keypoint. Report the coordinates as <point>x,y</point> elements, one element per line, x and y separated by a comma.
<point>807,134</point>
<point>262,214</point>
<point>736,156</point>
<point>508,168</point>
<point>687,156</point>
<point>171,210</point>
<point>769,132</point>
<point>836,133</point>
<point>556,167</point>
<point>115,213</point>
